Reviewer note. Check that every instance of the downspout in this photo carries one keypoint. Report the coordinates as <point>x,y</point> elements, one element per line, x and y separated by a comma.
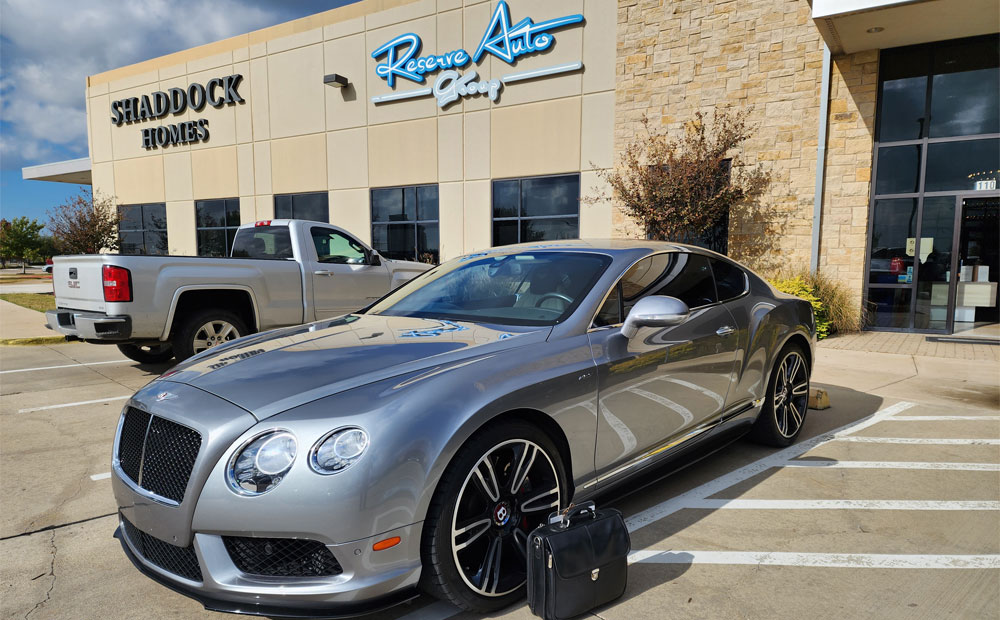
<point>824,107</point>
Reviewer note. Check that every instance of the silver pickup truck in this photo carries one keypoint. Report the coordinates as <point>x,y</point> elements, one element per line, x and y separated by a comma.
<point>281,272</point>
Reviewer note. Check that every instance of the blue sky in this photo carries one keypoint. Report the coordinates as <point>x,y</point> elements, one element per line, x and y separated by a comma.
<point>49,47</point>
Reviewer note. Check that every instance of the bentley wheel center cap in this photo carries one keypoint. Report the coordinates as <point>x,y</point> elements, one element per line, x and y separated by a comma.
<point>501,514</point>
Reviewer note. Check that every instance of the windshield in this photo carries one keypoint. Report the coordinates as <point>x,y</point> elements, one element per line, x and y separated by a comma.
<point>271,242</point>
<point>539,288</point>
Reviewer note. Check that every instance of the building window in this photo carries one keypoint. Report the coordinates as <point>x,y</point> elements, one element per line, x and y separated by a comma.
<point>314,207</point>
<point>405,223</point>
<point>536,209</point>
<point>143,229</point>
<point>937,138</point>
<point>216,222</point>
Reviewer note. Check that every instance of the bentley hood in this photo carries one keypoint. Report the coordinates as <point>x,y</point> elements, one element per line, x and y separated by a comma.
<point>272,372</point>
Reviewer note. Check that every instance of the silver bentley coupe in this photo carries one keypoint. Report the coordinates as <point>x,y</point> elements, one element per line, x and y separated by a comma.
<point>341,466</point>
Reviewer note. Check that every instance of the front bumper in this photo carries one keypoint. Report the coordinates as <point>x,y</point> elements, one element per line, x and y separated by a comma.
<point>277,607</point>
<point>366,584</point>
<point>89,325</point>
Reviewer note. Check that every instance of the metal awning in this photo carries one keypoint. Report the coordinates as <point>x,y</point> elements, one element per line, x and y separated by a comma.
<point>76,171</point>
<point>850,26</point>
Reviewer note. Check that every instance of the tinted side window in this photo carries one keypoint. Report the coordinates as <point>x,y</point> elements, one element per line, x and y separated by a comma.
<point>610,312</point>
<point>689,278</point>
<point>730,280</point>
<point>263,242</point>
<point>333,247</point>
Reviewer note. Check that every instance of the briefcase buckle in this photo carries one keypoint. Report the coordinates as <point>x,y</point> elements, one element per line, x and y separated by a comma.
<point>594,574</point>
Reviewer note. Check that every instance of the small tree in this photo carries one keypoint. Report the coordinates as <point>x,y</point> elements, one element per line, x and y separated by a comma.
<point>4,256</point>
<point>21,240</point>
<point>680,189</point>
<point>85,224</point>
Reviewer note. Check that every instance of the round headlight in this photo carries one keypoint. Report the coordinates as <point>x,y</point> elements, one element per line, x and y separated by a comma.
<point>261,463</point>
<point>338,450</point>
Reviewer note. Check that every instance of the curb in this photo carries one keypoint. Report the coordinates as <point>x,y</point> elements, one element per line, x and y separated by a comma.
<point>21,342</point>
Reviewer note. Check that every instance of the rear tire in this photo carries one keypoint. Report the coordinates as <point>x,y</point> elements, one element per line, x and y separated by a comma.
<point>145,354</point>
<point>206,329</point>
<point>477,565</point>
<point>787,401</point>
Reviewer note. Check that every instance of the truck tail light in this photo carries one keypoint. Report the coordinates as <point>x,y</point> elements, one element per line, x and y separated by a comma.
<point>117,283</point>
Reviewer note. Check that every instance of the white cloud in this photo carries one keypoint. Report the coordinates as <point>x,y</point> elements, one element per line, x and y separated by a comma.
<point>50,47</point>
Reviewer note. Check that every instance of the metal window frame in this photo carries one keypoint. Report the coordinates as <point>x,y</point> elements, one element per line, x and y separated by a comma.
<point>519,218</point>
<point>960,194</point>
<point>293,195</point>
<point>413,222</point>
<point>225,217</point>
<point>143,228</point>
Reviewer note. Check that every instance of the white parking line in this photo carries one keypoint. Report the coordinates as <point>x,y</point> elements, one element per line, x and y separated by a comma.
<point>895,465</point>
<point>672,505</point>
<point>821,560</point>
<point>82,402</point>
<point>4,372</point>
<point>103,476</point>
<point>839,504</point>
<point>922,441</point>
<point>944,418</point>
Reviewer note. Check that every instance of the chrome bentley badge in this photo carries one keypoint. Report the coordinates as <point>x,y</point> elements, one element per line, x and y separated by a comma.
<point>162,396</point>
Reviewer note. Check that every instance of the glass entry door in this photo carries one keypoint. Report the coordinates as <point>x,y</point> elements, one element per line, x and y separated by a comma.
<point>975,268</point>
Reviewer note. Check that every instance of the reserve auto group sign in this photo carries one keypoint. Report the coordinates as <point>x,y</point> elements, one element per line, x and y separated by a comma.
<point>506,41</point>
<point>217,92</point>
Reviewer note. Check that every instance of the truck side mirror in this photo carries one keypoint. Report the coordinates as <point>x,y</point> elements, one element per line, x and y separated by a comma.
<point>655,311</point>
<point>374,259</point>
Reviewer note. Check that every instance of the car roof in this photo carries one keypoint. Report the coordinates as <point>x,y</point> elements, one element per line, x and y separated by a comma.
<point>613,247</point>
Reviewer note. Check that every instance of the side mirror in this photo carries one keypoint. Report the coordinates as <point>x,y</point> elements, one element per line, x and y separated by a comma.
<point>373,259</point>
<point>655,311</point>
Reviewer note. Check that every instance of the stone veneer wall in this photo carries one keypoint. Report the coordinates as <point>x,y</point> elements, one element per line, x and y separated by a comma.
<point>678,57</point>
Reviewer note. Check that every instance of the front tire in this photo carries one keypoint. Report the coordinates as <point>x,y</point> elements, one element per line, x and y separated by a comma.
<point>784,412</point>
<point>145,354</point>
<point>500,485</point>
<point>206,329</point>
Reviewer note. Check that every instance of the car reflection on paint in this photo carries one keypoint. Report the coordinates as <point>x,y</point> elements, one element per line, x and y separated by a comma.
<point>343,465</point>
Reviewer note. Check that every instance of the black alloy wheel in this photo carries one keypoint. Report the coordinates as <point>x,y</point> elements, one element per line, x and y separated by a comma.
<point>784,412</point>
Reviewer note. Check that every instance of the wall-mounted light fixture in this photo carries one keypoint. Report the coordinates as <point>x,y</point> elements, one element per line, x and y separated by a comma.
<point>335,80</point>
<point>875,30</point>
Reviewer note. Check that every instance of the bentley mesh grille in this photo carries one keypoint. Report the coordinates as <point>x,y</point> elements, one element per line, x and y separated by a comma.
<point>177,560</point>
<point>281,557</point>
<point>157,454</point>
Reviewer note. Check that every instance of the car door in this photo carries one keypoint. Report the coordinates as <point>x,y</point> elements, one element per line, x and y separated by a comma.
<point>343,278</point>
<point>664,385</point>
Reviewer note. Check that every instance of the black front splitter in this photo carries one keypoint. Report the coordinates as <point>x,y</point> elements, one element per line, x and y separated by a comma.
<point>273,611</point>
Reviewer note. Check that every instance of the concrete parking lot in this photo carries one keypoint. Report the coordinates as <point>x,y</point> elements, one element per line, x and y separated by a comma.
<point>888,506</point>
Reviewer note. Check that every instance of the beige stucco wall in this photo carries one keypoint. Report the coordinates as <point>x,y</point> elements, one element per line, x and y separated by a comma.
<point>295,134</point>
<point>677,58</point>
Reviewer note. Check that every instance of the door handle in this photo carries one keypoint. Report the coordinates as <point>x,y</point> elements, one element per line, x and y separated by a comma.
<point>322,273</point>
<point>726,330</point>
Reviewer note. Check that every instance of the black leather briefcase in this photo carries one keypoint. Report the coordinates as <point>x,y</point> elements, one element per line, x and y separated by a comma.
<point>577,562</point>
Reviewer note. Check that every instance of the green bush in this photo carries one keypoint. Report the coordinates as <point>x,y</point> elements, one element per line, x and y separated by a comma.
<point>835,307</point>
<point>802,289</point>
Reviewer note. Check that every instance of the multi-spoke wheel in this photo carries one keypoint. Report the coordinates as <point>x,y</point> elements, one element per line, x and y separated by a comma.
<point>784,412</point>
<point>205,330</point>
<point>500,486</point>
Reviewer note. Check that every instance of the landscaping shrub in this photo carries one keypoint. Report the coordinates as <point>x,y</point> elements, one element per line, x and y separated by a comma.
<point>835,308</point>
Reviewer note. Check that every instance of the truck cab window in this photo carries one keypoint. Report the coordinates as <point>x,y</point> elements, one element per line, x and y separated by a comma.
<point>269,242</point>
<point>335,247</point>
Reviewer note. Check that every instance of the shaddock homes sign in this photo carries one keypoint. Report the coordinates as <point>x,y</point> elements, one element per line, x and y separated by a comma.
<point>501,39</point>
<point>217,92</point>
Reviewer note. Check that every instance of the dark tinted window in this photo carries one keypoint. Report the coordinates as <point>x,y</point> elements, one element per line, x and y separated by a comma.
<point>271,242</point>
<point>960,165</point>
<point>536,209</point>
<point>965,92</point>
<point>687,277</point>
<point>730,281</point>
<point>690,280</point>
<point>898,169</point>
<point>405,223</point>
<point>216,222</point>
<point>143,229</point>
<point>313,206</point>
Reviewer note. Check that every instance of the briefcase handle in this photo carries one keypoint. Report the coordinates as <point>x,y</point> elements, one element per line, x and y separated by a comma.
<point>573,511</point>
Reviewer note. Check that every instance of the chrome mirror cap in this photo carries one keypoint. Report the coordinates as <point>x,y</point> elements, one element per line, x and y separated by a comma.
<point>655,311</point>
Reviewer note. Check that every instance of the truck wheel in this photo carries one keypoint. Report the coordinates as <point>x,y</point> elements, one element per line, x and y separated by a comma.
<point>145,354</point>
<point>206,329</point>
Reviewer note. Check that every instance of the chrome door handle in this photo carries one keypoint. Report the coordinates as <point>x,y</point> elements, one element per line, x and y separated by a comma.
<point>322,273</point>
<point>725,331</point>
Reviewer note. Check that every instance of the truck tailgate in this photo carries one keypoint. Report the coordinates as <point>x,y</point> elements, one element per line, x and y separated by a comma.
<point>78,283</point>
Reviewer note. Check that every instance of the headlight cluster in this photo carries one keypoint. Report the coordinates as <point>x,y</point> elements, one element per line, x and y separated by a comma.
<point>261,463</point>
